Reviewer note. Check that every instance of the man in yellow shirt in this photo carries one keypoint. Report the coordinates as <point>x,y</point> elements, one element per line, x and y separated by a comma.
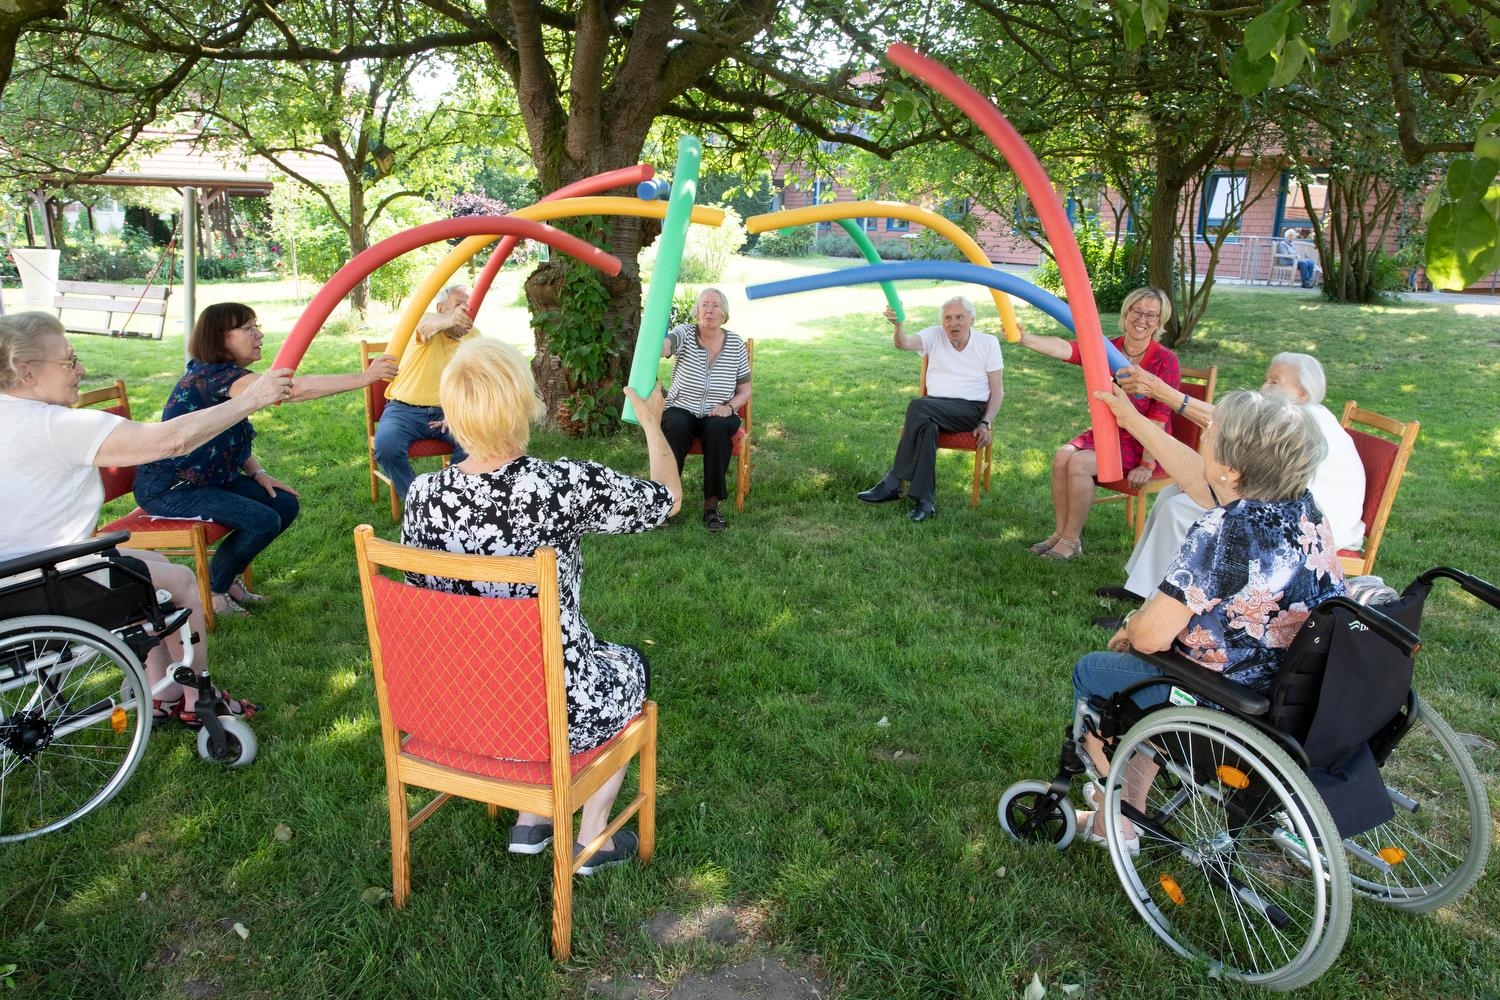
<point>411,411</point>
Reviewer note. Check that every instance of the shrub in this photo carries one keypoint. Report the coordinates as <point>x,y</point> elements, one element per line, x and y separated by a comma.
<point>230,266</point>
<point>795,242</point>
<point>932,245</point>
<point>1109,264</point>
<point>705,255</point>
<point>127,256</point>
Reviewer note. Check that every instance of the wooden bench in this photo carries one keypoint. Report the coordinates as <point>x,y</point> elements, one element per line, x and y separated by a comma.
<point>110,300</point>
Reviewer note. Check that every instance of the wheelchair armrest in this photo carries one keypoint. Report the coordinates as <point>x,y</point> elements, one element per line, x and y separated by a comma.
<point>1482,589</point>
<point>1214,686</point>
<point>1392,631</point>
<point>51,557</point>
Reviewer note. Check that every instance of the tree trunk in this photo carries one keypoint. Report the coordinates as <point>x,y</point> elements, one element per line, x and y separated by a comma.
<point>1165,202</point>
<point>359,242</point>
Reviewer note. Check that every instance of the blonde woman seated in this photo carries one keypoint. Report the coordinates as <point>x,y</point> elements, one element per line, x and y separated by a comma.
<point>500,501</point>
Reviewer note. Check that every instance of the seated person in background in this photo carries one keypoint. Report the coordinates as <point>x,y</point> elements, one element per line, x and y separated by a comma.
<point>710,382</point>
<point>1249,571</point>
<point>964,392</point>
<point>1307,264</point>
<point>223,481</point>
<point>1143,315</point>
<point>500,501</point>
<point>1338,482</point>
<point>411,410</point>
<point>1284,254</point>
<point>49,480</point>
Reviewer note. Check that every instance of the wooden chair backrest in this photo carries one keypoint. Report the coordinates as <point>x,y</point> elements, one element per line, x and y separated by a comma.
<point>1384,461</point>
<point>483,675</point>
<point>1200,384</point>
<point>117,480</point>
<point>375,391</point>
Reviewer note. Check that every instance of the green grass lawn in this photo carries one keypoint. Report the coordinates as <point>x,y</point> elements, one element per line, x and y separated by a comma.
<point>777,648</point>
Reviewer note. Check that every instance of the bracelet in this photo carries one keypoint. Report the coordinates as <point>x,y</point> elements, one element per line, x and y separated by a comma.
<point>1185,399</point>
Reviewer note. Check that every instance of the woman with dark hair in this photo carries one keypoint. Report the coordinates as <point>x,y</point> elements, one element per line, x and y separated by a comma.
<point>222,481</point>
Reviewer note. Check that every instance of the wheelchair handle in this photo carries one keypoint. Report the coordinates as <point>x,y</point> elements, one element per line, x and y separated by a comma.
<point>1392,631</point>
<point>1481,589</point>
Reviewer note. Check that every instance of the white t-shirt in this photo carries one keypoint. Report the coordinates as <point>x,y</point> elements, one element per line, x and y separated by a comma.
<point>50,493</point>
<point>1338,483</point>
<point>954,374</point>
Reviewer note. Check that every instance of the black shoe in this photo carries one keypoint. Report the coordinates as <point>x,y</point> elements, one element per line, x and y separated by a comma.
<point>1109,623</point>
<point>530,839</point>
<point>713,520</point>
<point>627,844</point>
<point>1118,594</point>
<point>881,492</point>
<point>924,510</point>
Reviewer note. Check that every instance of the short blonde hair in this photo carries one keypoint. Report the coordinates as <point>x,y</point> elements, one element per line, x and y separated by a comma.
<point>489,398</point>
<point>1163,302</point>
<point>1271,440</point>
<point>21,338</point>
<point>723,303</point>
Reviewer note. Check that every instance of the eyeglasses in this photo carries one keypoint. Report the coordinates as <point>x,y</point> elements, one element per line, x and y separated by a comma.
<point>71,361</point>
<point>251,327</point>
<point>1135,313</point>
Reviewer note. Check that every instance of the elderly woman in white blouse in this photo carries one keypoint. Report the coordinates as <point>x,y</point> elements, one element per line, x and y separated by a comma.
<point>1338,482</point>
<point>710,382</point>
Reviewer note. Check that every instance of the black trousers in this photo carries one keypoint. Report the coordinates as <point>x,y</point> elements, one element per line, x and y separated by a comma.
<point>717,435</point>
<point>916,455</point>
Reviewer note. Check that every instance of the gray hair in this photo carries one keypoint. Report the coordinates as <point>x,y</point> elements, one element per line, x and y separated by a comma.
<point>21,335</point>
<point>1163,303</point>
<point>962,300</point>
<point>723,302</point>
<point>1309,373</point>
<point>1271,440</point>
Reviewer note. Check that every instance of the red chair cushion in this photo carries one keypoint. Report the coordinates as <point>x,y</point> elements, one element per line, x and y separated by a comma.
<point>530,772</point>
<point>138,522</point>
<point>957,440</point>
<point>428,448</point>
<point>1378,457</point>
<point>463,673</point>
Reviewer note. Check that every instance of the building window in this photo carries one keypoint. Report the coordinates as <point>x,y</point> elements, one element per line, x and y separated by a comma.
<point>1295,212</point>
<point>1223,199</point>
<point>897,225</point>
<point>954,208</point>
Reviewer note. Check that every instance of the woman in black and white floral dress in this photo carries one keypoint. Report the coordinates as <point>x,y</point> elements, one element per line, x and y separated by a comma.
<point>501,501</point>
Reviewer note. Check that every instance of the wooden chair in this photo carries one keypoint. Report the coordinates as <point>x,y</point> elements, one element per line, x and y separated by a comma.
<point>964,441</point>
<point>472,704</point>
<point>741,442</point>
<point>374,407</point>
<point>1198,383</point>
<point>167,535</point>
<point>1385,463</point>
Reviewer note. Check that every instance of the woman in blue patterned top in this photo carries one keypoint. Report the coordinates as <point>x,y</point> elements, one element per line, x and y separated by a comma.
<point>222,481</point>
<point>1250,570</point>
<point>710,382</point>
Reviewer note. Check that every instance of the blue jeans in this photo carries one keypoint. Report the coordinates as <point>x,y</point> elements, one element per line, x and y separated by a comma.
<point>242,505</point>
<point>401,425</point>
<point>1103,674</point>
<point>1305,269</point>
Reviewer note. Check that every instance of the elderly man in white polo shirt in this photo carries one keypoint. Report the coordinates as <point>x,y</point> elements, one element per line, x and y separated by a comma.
<point>964,391</point>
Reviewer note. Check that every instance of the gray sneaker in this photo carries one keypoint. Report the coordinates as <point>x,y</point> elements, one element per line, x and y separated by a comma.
<point>530,839</point>
<point>627,844</point>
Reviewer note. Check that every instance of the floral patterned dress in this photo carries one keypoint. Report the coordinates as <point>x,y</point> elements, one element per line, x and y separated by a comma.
<point>1251,572</point>
<point>511,512</point>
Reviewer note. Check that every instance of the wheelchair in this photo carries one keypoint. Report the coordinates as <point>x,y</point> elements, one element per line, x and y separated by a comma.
<point>1259,817</point>
<point>76,623</point>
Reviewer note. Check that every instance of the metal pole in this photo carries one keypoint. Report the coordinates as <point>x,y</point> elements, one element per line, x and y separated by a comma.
<point>189,264</point>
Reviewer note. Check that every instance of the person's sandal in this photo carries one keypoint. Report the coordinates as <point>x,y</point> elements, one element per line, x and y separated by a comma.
<point>713,520</point>
<point>239,707</point>
<point>1037,548</point>
<point>244,595</point>
<point>165,711</point>
<point>227,607</point>
<point>1074,552</point>
<point>627,844</point>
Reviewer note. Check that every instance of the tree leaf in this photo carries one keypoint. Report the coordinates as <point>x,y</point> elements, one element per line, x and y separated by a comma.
<point>1340,15</point>
<point>1132,24</point>
<point>1460,7</point>
<point>1154,17</point>
<point>282,833</point>
<point>1267,31</point>
<point>1463,243</point>
<point>1289,62</point>
<point>1249,76</point>
<point>1487,139</point>
<point>1470,177</point>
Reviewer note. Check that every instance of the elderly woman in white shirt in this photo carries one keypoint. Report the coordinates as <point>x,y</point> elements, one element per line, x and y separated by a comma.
<point>1338,483</point>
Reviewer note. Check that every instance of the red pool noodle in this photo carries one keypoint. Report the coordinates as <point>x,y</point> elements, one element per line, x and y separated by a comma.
<point>329,296</point>
<point>1054,221</point>
<point>598,184</point>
